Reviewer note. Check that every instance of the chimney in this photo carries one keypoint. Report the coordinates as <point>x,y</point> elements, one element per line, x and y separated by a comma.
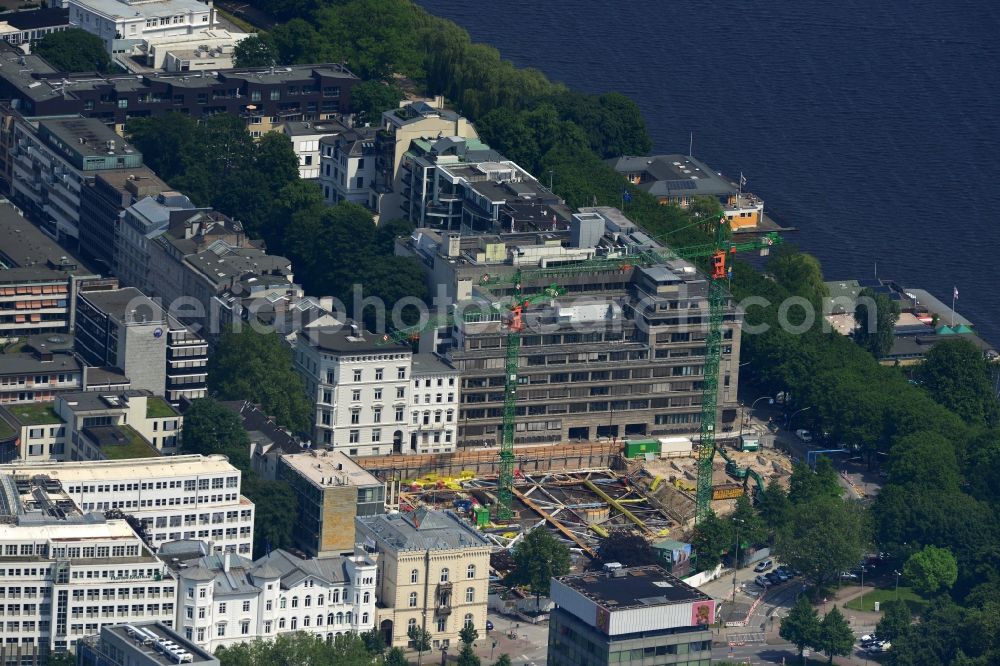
<point>225,561</point>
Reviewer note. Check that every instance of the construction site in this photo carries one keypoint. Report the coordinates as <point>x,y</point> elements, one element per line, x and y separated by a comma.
<point>581,492</point>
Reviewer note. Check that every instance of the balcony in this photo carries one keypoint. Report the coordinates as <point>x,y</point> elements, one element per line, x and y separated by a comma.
<point>442,600</point>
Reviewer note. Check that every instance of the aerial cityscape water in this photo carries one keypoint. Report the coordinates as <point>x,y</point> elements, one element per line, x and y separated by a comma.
<point>871,127</point>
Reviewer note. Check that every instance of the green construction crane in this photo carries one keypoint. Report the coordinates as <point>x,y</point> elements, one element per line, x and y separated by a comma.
<point>719,272</point>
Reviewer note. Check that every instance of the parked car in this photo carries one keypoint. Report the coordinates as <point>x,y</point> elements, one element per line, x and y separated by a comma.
<point>868,639</point>
<point>847,575</point>
<point>762,581</point>
<point>804,435</point>
<point>782,575</point>
<point>774,578</point>
<point>763,565</point>
<point>879,647</point>
<point>489,625</point>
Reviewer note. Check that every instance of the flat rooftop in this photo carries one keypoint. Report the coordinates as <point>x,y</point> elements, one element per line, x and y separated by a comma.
<point>633,587</point>
<point>431,364</point>
<point>126,305</point>
<point>158,8</point>
<point>156,642</point>
<point>87,136</point>
<point>24,363</point>
<point>330,469</point>
<point>162,467</point>
<point>28,255</point>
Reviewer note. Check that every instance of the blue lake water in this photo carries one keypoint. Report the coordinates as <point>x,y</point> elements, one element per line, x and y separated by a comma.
<point>873,127</point>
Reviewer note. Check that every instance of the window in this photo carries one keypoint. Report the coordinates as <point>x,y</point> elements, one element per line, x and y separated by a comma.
<point>413,599</point>
<point>357,375</point>
<point>376,434</point>
<point>378,374</point>
<point>400,392</point>
<point>295,602</point>
<point>355,416</point>
<point>222,608</point>
<point>377,415</point>
<point>412,624</point>
<point>354,436</point>
<point>246,606</point>
<point>442,624</point>
<point>221,629</point>
<point>378,394</point>
<point>399,414</point>
<point>400,373</point>
<point>356,395</point>
<point>364,618</point>
<point>470,571</point>
<point>444,575</point>
<point>367,598</point>
<point>308,600</point>
<point>468,620</point>
<point>470,595</point>
<point>414,576</point>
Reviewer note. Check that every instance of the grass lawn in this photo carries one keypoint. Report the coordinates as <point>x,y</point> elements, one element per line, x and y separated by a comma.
<point>882,595</point>
<point>242,24</point>
<point>39,413</point>
<point>134,446</point>
<point>157,408</point>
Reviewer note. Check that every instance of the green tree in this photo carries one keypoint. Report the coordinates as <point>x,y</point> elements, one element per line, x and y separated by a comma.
<point>396,657</point>
<point>924,458</point>
<point>277,511</point>
<point>835,636</point>
<point>209,428</point>
<point>468,634</point>
<point>800,273</point>
<point>248,365</point>
<point>956,375</point>
<point>62,659</point>
<point>370,98</point>
<point>932,570</point>
<point>255,51</point>
<point>751,528</point>
<point>538,557</point>
<point>823,537</point>
<point>73,50</point>
<point>712,537</point>
<point>895,621</point>
<point>467,657</point>
<point>420,639</point>
<point>875,316</point>
<point>374,641</point>
<point>773,505</point>
<point>299,648</point>
<point>801,625</point>
<point>626,546</point>
<point>807,484</point>
<point>166,142</point>
<point>504,660</point>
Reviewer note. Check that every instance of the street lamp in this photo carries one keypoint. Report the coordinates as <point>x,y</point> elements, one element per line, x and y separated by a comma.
<point>736,562</point>
<point>863,567</point>
<point>897,583</point>
<point>770,401</point>
<point>788,423</point>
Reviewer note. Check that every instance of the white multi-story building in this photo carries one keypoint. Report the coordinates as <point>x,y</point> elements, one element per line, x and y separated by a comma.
<point>226,599</point>
<point>305,137</point>
<point>374,398</point>
<point>176,497</point>
<point>359,387</point>
<point>124,23</point>
<point>433,405</point>
<point>64,575</point>
<point>347,166</point>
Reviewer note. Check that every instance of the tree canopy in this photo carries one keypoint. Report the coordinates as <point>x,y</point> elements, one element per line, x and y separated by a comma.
<point>836,638</point>
<point>212,428</point>
<point>255,51</point>
<point>370,98</point>
<point>298,649</point>
<point>801,626</point>
<point>248,365</point>
<point>875,317</point>
<point>956,375</point>
<point>73,50</point>
<point>823,536</point>
<point>931,570</point>
<point>537,558</point>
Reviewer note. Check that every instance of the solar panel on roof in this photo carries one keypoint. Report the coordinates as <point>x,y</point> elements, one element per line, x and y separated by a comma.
<point>681,184</point>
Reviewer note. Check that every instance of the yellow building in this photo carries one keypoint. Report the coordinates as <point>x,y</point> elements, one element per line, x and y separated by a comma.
<point>433,573</point>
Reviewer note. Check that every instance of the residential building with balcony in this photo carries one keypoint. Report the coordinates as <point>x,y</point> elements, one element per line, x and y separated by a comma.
<point>305,137</point>
<point>67,574</point>
<point>45,367</point>
<point>332,490</point>
<point>184,497</point>
<point>631,614</point>
<point>39,280</point>
<point>433,574</point>
<point>265,97</point>
<point>224,599</point>
<point>53,160</point>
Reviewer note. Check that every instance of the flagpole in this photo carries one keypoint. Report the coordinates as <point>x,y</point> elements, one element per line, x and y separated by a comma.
<point>690,143</point>
<point>954,295</point>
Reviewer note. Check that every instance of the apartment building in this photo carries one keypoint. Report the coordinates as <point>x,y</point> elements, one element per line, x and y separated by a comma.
<point>179,497</point>
<point>38,280</point>
<point>140,644</point>
<point>332,490</point>
<point>45,367</point>
<point>347,166</point>
<point>433,573</point>
<point>400,127</point>
<point>54,159</point>
<point>120,23</point>
<point>629,614</point>
<point>65,574</point>
<point>265,98</point>
<point>306,137</point>
<point>621,354</point>
<point>138,225</point>
<point>101,206</point>
<point>21,28</point>
<point>360,388</point>
<point>435,399</point>
<point>123,329</point>
<point>458,183</point>
<point>225,599</point>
